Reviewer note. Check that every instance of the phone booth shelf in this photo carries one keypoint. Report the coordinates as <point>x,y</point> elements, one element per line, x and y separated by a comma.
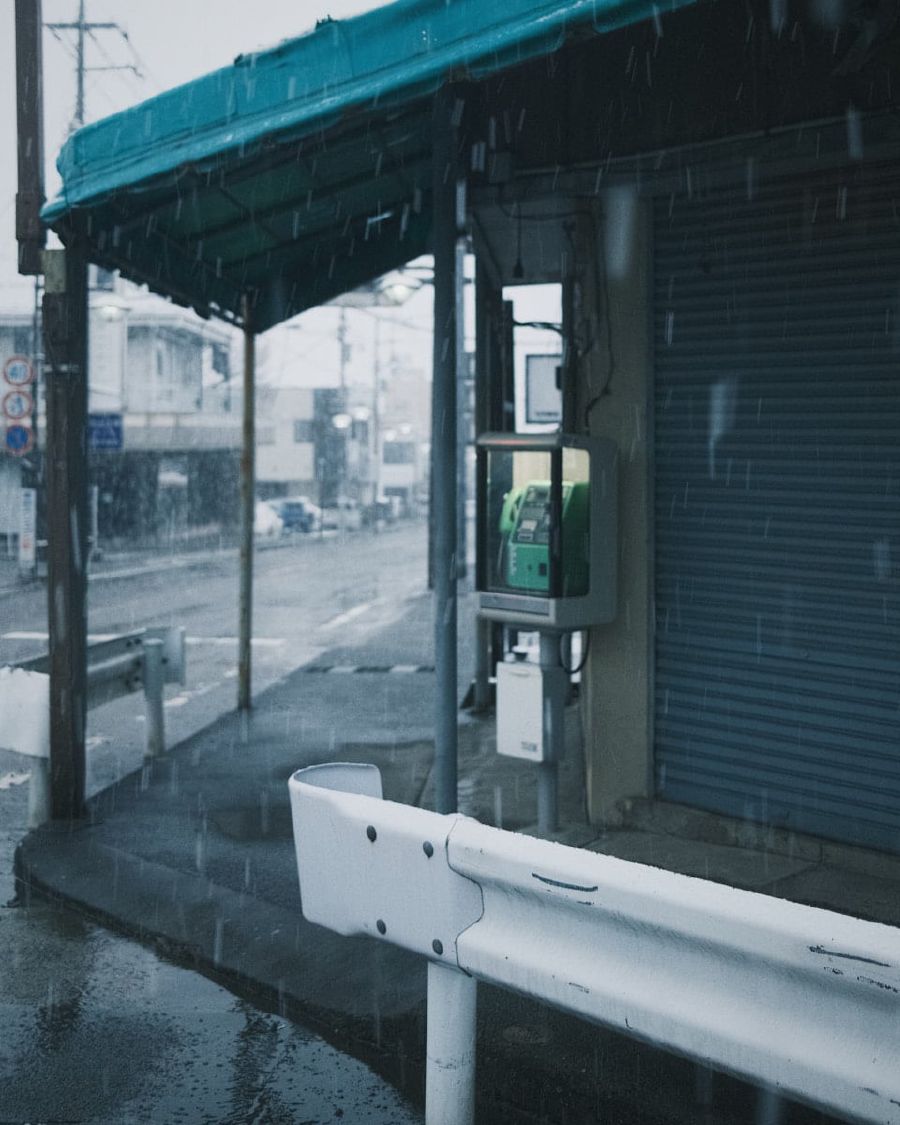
<point>546,521</point>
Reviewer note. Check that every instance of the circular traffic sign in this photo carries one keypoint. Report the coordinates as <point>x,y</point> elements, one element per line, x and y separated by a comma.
<point>17,404</point>
<point>17,371</point>
<point>19,439</point>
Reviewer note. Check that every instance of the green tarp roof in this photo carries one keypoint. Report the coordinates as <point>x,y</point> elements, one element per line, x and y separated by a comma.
<point>299,172</point>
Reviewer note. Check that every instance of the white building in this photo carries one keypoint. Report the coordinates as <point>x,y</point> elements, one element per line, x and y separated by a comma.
<point>160,389</point>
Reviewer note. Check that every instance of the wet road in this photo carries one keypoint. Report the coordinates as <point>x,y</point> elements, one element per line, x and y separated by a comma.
<point>97,1029</point>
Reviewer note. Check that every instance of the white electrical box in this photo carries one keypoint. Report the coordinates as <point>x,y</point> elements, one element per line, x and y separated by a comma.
<point>522,689</point>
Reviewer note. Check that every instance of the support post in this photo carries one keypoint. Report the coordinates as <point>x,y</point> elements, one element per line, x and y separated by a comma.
<point>247,495</point>
<point>30,232</point>
<point>153,695</point>
<point>443,447</point>
<point>554,688</point>
<point>462,389</point>
<point>66,350</point>
<point>450,1066</point>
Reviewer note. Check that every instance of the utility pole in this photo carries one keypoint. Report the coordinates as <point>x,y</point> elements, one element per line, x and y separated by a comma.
<point>82,27</point>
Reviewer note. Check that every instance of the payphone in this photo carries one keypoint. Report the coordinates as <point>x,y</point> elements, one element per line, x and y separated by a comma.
<point>546,521</point>
<point>546,525</point>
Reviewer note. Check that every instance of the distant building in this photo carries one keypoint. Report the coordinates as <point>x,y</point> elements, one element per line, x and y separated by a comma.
<point>162,379</point>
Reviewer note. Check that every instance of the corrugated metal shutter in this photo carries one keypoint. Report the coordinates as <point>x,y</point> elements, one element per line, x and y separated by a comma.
<point>777,476</point>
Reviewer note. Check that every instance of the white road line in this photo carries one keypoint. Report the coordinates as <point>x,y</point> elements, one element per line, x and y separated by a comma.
<point>92,637</point>
<point>350,615</point>
<point>262,642</point>
<point>8,780</point>
<point>344,669</point>
<point>404,668</point>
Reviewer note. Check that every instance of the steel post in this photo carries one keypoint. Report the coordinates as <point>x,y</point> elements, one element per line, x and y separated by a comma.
<point>462,391</point>
<point>65,346</point>
<point>247,500</point>
<point>554,734</point>
<point>443,448</point>
<point>153,695</point>
<point>450,1066</point>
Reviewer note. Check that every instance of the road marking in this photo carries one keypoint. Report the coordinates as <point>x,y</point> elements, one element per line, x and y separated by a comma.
<point>368,669</point>
<point>8,780</point>
<point>350,615</point>
<point>262,642</point>
<point>92,637</point>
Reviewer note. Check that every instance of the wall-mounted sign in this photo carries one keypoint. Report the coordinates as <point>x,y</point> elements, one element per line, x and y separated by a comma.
<point>17,405</point>
<point>105,432</point>
<point>543,398</point>
<point>17,371</point>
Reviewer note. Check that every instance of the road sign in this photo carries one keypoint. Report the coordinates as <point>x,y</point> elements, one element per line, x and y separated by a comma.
<point>19,439</point>
<point>105,432</point>
<point>17,404</point>
<point>17,371</point>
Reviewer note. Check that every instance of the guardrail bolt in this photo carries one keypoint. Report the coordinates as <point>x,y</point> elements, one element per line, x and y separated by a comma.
<point>428,849</point>
<point>371,833</point>
<point>438,947</point>
<point>381,927</point>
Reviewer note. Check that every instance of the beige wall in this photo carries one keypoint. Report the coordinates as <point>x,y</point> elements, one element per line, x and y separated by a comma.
<point>283,459</point>
<point>612,320</point>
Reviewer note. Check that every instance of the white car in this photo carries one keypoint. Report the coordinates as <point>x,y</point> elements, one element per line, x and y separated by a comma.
<point>266,521</point>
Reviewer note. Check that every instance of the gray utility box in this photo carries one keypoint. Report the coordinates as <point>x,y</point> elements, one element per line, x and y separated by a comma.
<point>546,525</point>
<point>522,693</point>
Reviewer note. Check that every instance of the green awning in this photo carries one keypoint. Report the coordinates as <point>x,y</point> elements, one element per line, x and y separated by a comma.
<point>303,171</point>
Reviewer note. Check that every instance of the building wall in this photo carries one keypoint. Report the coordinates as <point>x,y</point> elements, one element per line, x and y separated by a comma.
<point>280,459</point>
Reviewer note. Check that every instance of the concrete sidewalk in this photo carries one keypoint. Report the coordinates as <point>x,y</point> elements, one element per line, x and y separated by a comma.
<point>195,855</point>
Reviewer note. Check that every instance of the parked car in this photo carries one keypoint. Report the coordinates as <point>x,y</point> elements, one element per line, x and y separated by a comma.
<point>345,515</point>
<point>266,521</point>
<point>298,513</point>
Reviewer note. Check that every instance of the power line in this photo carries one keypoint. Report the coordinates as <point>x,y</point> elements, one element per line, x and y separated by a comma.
<point>83,27</point>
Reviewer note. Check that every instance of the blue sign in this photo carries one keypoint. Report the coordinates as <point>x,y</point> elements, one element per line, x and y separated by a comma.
<point>105,432</point>
<point>19,439</point>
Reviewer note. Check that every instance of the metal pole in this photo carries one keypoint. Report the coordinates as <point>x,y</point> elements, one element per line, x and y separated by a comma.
<point>153,696</point>
<point>462,388</point>
<point>79,88</point>
<point>450,1066</point>
<point>376,423</point>
<point>247,492</point>
<point>554,689</point>
<point>66,351</point>
<point>443,449</point>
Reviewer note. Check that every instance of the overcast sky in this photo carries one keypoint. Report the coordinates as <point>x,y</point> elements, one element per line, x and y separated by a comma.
<point>173,42</point>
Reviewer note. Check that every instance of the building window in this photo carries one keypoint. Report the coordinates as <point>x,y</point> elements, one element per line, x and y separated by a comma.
<point>303,430</point>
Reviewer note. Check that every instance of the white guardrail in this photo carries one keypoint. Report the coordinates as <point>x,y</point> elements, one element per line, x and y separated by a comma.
<point>801,1000</point>
<point>116,666</point>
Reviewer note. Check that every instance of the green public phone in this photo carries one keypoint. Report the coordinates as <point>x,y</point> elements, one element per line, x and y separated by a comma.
<point>525,537</point>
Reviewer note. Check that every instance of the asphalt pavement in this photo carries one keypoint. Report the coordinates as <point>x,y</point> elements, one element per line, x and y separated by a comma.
<point>193,856</point>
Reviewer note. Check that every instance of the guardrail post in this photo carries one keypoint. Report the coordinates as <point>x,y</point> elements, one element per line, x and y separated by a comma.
<point>153,694</point>
<point>450,1067</point>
